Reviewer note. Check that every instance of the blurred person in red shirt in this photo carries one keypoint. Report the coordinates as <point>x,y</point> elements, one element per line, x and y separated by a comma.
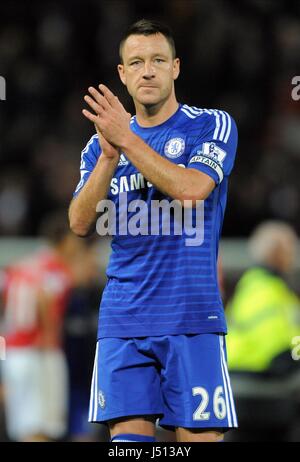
<point>35,374</point>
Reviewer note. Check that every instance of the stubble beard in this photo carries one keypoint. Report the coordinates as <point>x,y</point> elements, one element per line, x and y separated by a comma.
<point>152,108</point>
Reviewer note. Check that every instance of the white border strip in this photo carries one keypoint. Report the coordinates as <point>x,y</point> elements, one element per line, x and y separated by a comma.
<point>228,383</point>
<point>229,418</point>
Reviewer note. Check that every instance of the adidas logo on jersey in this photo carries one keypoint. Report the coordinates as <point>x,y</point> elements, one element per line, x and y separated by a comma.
<point>123,161</point>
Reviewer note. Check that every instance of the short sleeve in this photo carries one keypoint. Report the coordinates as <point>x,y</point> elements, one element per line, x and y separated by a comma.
<point>214,149</point>
<point>89,157</point>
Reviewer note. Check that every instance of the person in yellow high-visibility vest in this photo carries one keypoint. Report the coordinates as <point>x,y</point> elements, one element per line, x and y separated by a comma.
<point>263,314</point>
<point>263,319</point>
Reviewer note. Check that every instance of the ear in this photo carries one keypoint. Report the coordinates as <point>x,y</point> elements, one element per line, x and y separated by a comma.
<point>122,73</point>
<point>176,68</point>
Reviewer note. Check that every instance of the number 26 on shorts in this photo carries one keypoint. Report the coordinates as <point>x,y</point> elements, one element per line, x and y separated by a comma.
<point>219,405</point>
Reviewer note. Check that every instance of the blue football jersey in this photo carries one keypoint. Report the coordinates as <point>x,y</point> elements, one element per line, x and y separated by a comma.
<point>164,283</point>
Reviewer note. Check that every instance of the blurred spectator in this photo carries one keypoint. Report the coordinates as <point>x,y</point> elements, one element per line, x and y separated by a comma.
<point>35,376</point>
<point>13,202</point>
<point>80,332</point>
<point>263,317</point>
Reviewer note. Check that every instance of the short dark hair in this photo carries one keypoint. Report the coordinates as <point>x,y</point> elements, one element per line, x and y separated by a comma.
<point>148,27</point>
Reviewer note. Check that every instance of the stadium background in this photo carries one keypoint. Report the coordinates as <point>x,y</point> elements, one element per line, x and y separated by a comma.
<point>237,56</point>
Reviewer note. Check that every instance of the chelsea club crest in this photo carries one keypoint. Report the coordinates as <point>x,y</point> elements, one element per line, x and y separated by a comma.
<point>174,148</point>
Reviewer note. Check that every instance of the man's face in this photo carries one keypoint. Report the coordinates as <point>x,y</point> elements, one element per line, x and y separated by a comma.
<point>148,68</point>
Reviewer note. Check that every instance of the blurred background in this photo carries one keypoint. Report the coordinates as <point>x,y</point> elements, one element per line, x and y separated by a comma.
<point>236,56</point>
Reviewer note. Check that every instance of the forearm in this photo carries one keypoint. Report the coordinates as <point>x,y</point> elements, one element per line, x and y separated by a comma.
<point>172,180</point>
<point>82,212</point>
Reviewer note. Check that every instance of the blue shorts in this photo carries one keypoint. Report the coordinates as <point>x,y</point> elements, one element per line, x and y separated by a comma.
<point>180,379</point>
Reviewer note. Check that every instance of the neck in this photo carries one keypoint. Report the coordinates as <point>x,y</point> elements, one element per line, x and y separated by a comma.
<point>156,114</point>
